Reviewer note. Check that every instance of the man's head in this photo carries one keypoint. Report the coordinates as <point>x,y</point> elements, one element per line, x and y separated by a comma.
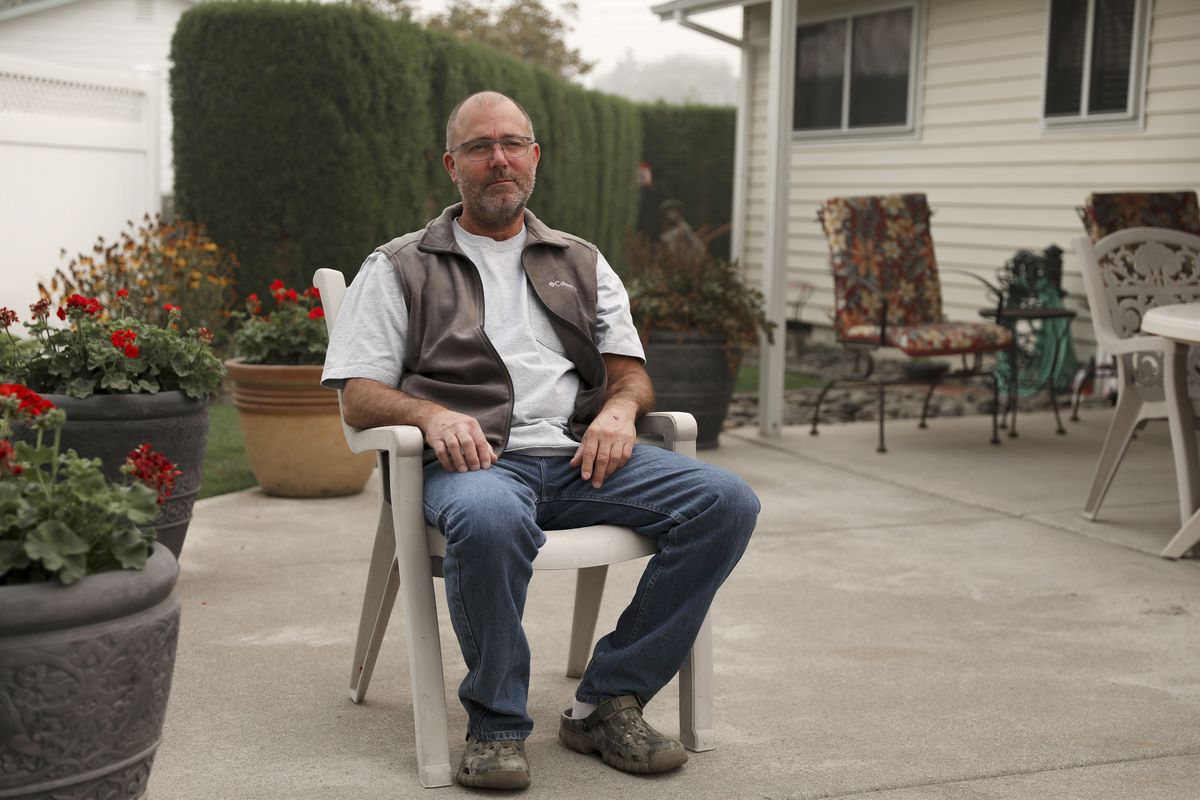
<point>495,188</point>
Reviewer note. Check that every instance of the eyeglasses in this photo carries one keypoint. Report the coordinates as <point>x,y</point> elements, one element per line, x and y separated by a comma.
<point>482,149</point>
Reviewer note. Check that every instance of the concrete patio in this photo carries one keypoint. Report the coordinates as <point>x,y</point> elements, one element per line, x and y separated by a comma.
<point>937,622</point>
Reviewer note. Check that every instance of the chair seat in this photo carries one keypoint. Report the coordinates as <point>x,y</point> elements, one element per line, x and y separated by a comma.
<point>935,338</point>
<point>574,548</point>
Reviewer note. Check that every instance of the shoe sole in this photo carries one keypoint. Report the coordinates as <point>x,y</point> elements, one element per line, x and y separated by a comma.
<point>494,780</point>
<point>659,762</point>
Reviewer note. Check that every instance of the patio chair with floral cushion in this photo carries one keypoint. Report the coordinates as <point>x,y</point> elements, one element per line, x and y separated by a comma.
<point>887,292</point>
<point>1109,212</point>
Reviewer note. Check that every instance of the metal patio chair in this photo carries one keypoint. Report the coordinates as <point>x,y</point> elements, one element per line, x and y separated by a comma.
<point>407,556</point>
<point>888,294</point>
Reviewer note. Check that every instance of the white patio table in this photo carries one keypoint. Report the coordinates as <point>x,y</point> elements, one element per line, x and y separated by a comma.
<point>1180,326</point>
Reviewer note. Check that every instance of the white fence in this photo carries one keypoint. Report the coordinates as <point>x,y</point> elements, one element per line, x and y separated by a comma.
<point>79,156</point>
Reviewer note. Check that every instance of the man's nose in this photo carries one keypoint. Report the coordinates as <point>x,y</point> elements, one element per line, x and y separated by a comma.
<point>498,158</point>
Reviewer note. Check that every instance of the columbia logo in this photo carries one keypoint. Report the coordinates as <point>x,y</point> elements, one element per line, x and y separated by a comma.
<point>561,285</point>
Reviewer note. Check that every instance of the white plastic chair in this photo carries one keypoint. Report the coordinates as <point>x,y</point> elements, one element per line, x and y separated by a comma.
<point>407,556</point>
<point>1125,274</point>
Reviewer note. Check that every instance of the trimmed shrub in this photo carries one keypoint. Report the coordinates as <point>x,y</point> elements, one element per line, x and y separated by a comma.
<point>306,135</point>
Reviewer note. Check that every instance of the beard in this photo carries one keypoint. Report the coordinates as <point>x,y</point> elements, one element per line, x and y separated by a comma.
<point>494,210</point>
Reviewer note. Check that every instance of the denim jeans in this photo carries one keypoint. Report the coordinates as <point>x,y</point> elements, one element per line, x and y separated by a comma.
<point>700,516</point>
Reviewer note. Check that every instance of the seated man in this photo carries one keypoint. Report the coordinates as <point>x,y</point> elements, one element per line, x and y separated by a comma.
<point>511,347</point>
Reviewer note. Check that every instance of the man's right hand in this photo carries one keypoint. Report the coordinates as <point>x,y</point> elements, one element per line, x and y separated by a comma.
<point>457,441</point>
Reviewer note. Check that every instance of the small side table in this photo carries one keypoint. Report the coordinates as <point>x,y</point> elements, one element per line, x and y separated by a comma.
<point>1010,318</point>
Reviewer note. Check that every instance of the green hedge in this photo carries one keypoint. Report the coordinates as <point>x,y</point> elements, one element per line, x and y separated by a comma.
<point>305,135</point>
<point>690,150</point>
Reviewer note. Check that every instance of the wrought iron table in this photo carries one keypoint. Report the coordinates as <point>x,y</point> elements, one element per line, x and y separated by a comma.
<point>1180,326</point>
<point>1011,318</point>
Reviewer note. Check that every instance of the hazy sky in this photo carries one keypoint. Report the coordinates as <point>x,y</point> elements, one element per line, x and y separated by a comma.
<point>605,29</point>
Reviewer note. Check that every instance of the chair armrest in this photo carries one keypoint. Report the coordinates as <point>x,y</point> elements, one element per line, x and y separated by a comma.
<point>1139,343</point>
<point>398,440</point>
<point>677,429</point>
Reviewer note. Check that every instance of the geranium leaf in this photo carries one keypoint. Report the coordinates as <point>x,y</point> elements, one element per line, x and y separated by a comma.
<point>12,556</point>
<point>54,544</point>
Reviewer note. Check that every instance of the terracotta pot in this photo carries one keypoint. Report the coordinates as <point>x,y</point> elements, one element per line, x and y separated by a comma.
<point>292,432</point>
<point>85,671</point>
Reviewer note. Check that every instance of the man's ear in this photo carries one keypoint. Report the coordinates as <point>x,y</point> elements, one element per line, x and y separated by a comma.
<point>537,154</point>
<point>448,163</point>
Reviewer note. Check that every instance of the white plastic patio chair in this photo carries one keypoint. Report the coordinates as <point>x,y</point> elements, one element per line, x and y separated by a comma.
<point>407,556</point>
<point>1125,274</point>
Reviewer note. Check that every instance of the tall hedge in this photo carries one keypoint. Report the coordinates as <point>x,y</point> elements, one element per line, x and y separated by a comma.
<point>690,150</point>
<point>307,134</point>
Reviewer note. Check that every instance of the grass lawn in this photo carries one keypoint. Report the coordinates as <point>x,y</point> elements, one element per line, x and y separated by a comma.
<point>225,466</point>
<point>747,380</point>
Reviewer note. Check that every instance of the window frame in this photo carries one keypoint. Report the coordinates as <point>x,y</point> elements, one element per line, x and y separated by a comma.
<point>1134,113</point>
<point>844,131</point>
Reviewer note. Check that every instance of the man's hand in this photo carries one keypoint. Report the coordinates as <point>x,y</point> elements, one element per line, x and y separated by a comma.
<point>457,441</point>
<point>607,443</point>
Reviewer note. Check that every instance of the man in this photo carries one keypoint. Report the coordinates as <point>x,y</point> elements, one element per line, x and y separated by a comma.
<point>510,346</point>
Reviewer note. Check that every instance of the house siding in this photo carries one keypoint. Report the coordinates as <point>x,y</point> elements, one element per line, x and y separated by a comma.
<point>997,179</point>
<point>113,34</point>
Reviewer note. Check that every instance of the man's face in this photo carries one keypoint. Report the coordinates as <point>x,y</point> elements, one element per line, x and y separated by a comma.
<point>495,191</point>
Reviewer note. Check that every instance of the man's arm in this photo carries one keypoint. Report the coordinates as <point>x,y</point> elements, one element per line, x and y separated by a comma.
<point>608,442</point>
<point>456,439</point>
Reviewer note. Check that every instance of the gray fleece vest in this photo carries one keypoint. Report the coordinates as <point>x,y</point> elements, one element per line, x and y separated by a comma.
<point>450,360</point>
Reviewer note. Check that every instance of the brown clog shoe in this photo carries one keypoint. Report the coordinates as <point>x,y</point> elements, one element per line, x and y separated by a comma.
<point>617,731</point>
<point>494,765</point>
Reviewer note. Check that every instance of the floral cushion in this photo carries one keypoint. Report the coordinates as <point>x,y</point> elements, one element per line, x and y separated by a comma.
<point>1107,213</point>
<point>936,338</point>
<point>880,246</point>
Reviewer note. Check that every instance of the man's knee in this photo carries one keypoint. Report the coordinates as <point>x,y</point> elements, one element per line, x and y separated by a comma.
<point>494,525</point>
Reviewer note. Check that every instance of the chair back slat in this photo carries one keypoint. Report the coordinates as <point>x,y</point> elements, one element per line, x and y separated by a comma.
<point>880,246</point>
<point>1109,212</point>
<point>332,285</point>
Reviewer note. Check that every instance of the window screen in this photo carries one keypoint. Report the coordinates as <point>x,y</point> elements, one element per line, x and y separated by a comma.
<point>1108,65</point>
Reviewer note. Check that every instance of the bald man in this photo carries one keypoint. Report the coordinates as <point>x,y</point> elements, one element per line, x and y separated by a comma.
<point>510,345</point>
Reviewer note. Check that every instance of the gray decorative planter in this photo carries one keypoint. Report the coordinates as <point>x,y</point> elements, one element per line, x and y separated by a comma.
<point>692,372</point>
<point>108,426</point>
<point>85,671</point>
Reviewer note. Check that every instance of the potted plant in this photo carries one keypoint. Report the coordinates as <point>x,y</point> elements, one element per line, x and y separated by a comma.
<point>88,619</point>
<point>291,426</point>
<point>122,381</point>
<point>696,316</point>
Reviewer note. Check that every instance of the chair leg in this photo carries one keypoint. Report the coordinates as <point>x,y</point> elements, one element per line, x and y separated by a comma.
<point>882,448</point>
<point>383,581</point>
<point>589,588</point>
<point>696,729</point>
<point>925,405</point>
<point>1124,422</point>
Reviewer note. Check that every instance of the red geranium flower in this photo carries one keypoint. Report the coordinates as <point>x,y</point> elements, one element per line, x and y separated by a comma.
<point>30,401</point>
<point>168,307</point>
<point>153,469</point>
<point>7,459</point>
<point>122,293</point>
<point>7,317</point>
<point>317,313</point>
<point>277,285</point>
<point>313,291</point>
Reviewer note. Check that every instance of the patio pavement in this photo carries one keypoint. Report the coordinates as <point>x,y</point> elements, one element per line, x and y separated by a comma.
<point>937,622</point>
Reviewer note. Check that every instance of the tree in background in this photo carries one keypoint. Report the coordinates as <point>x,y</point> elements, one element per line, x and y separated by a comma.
<point>523,29</point>
<point>393,9</point>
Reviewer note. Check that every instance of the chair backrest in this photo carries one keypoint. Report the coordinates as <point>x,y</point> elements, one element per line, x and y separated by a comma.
<point>332,286</point>
<point>1109,212</point>
<point>1133,270</point>
<point>880,246</point>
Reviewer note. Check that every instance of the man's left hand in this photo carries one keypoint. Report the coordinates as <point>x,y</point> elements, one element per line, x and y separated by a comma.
<point>608,443</point>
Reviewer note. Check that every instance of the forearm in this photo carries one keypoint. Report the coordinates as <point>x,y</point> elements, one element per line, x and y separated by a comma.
<point>629,387</point>
<point>370,404</point>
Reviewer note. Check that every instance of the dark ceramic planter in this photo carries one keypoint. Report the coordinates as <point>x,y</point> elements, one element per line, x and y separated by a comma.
<point>108,426</point>
<point>693,372</point>
<point>85,672</point>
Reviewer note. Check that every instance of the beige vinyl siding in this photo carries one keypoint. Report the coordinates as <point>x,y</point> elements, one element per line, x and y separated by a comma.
<point>997,179</point>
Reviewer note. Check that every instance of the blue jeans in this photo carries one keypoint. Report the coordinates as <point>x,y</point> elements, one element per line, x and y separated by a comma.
<point>700,516</point>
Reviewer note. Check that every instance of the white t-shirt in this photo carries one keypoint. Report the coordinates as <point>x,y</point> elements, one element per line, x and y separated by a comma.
<point>369,338</point>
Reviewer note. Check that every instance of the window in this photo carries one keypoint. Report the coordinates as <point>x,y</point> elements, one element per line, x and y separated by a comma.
<point>854,74</point>
<point>1093,60</point>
